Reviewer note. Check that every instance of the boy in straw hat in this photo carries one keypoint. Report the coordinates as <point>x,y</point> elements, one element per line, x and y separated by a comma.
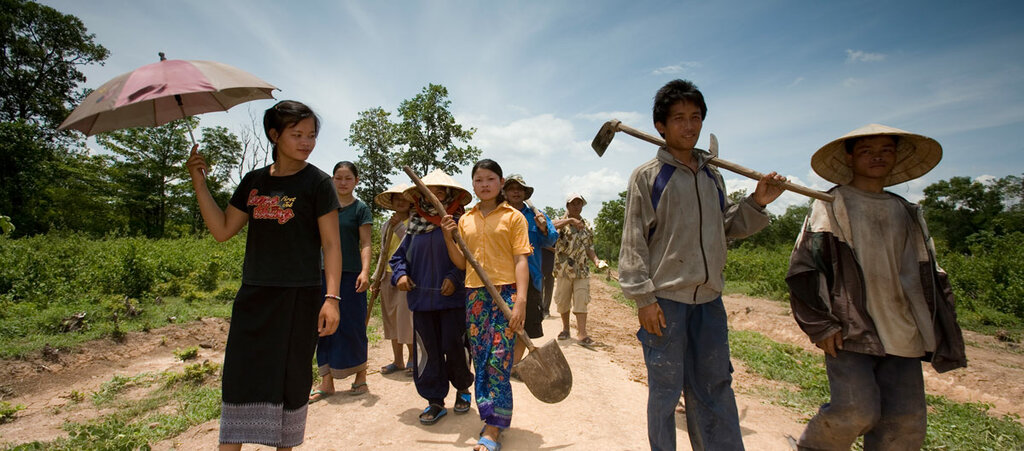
<point>865,287</point>
<point>395,313</point>
<point>437,298</point>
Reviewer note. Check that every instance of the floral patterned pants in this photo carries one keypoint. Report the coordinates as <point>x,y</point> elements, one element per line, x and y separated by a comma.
<point>492,344</point>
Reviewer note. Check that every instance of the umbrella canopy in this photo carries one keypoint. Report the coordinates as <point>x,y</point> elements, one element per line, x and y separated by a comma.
<point>158,93</point>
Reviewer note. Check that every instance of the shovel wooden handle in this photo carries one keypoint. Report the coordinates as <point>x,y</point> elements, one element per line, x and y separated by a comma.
<point>380,270</point>
<point>495,295</point>
<point>727,165</point>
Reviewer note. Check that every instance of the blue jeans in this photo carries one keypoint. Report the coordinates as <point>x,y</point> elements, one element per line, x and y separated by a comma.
<point>881,398</point>
<point>691,357</point>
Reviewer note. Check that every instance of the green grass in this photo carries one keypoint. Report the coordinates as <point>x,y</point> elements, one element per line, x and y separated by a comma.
<point>617,294</point>
<point>951,425</point>
<point>182,400</point>
<point>40,328</point>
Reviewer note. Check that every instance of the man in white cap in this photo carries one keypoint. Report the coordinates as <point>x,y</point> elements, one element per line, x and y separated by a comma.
<point>865,288</point>
<point>574,251</point>
<point>542,234</point>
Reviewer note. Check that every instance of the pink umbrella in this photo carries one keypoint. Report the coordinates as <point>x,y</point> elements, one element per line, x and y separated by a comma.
<point>158,93</point>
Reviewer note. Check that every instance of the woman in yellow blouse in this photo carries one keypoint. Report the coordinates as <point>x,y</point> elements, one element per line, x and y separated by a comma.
<point>496,235</point>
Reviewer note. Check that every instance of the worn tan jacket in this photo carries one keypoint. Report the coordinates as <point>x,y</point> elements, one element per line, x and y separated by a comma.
<point>678,251</point>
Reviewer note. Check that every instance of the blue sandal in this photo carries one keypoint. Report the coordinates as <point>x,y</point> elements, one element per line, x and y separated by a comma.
<point>435,411</point>
<point>463,401</point>
<point>491,445</point>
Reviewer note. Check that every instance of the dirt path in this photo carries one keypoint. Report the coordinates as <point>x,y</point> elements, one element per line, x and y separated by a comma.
<point>606,409</point>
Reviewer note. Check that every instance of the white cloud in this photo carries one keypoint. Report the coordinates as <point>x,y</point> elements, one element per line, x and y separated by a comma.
<point>532,137</point>
<point>627,117</point>
<point>860,56</point>
<point>595,186</point>
<point>852,82</point>
<point>796,82</point>
<point>685,67</point>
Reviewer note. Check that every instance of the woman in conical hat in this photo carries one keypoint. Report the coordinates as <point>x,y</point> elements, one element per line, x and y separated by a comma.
<point>395,314</point>
<point>436,297</point>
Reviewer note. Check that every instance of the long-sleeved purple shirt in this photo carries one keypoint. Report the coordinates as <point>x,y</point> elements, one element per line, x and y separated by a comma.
<point>424,258</point>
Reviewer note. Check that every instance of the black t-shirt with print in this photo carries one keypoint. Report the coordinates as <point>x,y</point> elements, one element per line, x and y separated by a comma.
<point>283,244</point>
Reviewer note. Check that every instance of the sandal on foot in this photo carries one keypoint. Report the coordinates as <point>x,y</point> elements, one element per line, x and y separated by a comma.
<point>463,401</point>
<point>359,389</point>
<point>488,444</point>
<point>435,412</point>
<point>563,335</point>
<point>391,368</point>
<point>408,368</point>
<point>317,395</point>
<point>587,341</point>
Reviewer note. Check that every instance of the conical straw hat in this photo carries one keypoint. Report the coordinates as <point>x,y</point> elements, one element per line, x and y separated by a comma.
<point>915,156</point>
<point>384,199</point>
<point>437,177</point>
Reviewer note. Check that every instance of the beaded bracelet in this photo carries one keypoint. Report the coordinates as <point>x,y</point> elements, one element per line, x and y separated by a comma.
<point>333,296</point>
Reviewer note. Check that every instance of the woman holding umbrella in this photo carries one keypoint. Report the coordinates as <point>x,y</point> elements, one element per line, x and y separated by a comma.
<point>291,210</point>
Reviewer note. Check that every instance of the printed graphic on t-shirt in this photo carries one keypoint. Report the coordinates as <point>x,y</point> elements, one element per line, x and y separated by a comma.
<point>277,208</point>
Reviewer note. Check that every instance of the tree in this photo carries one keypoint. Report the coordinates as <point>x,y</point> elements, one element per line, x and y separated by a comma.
<point>609,223</point>
<point>959,207</point>
<point>430,133</point>
<point>376,137</point>
<point>426,138</point>
<point>42,52</point>
<point>554,213</point>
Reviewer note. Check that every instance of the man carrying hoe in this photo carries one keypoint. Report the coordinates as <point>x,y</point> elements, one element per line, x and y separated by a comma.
<point>677,219</point>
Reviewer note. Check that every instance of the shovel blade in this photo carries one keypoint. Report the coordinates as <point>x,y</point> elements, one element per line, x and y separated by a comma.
<point>546,373</point>
<point>604,137</point>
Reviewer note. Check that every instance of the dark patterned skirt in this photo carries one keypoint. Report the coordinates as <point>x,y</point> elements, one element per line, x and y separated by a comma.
<point>266,365</point>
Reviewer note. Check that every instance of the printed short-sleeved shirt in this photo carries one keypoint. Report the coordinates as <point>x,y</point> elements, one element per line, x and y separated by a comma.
<point>350,218</point>
<point>282,244</point>
<point>494,240</point>
<point>571,258</point>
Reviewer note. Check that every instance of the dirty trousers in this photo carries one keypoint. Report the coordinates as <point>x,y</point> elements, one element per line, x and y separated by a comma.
<point>691,356</point>
<point>881,398</point>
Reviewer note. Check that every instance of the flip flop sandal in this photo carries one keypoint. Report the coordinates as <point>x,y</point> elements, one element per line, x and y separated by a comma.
<point>563,335</point>
<point>390,368</point>
<point>319,394</point>
<point>359,389</point>
<point>587,341</point>
<point>491,445</point>
<point>463,401</point>
<point>435,412</point>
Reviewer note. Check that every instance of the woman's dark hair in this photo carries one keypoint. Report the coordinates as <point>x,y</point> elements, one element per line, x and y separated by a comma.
<point>347,164</point>
<point>494,167</point>
<point>286,114</point>
<point>852,142</point>
<point>674,92</point>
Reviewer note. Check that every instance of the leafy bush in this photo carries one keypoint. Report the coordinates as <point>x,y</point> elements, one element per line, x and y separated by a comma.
<point>188,353</point>
<point>991,276</point>
<point>763,269</point>
<point>47,278</point>
<point>7,411</point>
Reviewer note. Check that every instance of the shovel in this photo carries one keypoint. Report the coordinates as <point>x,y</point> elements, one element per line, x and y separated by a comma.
<point>544,370</point>
<point>607,133</point>
<point>375,284</point>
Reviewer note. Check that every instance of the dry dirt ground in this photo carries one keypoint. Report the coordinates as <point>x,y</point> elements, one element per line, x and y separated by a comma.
<point>606,409</point>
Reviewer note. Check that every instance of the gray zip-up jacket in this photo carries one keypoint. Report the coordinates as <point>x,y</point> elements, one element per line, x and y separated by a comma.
<point>678,251</point>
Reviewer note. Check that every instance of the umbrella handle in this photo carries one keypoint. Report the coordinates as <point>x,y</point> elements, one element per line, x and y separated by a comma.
<point>495,295</point>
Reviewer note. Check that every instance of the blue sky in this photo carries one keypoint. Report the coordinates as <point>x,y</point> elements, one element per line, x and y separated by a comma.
<point>537,79</point>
